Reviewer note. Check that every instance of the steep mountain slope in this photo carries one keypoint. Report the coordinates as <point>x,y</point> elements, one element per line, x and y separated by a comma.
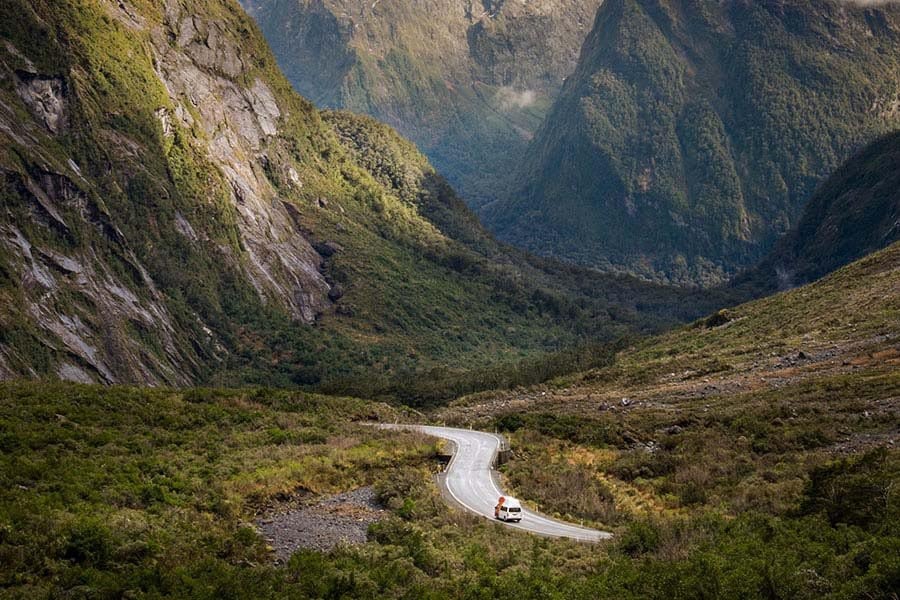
<point>693,132</point>
<point>854,213</point>
<point>173,212</point>
<point>469,81</point>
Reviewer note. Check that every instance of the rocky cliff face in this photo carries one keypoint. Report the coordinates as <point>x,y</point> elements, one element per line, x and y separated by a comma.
<point>174,213</point>
<point>468,81</point>
<point>240,122</point>
<point>86,291</point>
<point>693,132</point>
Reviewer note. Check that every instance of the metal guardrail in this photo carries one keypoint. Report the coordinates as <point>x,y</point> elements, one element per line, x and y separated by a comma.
<point>502,451</point>
<point>504,443</point>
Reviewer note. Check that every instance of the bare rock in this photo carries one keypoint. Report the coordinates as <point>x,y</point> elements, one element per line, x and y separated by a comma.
<point>163,116</point>
<point>238,119</point>
<point>328,249</point>
<point>45,98</point>
<point>264,107</point>
<point>336,292</point>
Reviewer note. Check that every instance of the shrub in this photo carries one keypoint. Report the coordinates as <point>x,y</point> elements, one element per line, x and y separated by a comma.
<point>636,464</point>
<point>856,491</point>
<point>639,538</point>
<point>89,543</point>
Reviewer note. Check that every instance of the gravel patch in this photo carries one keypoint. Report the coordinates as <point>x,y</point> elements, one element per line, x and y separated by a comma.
<point>341,519</point>
<point>862,442</point>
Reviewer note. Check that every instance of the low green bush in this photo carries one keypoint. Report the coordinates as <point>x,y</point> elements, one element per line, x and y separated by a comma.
<point>859,491</point>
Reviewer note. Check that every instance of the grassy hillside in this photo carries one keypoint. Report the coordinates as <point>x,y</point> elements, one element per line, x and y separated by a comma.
<point>692,133</point>
<point>111,491</point>
<point>469,82</point>
<point>174,213</point>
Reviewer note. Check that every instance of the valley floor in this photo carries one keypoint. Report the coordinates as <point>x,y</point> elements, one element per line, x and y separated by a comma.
<point>751,454</point>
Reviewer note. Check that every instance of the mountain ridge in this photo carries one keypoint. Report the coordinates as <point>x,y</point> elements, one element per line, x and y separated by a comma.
<point>691,134</point>
<point>855,212</point>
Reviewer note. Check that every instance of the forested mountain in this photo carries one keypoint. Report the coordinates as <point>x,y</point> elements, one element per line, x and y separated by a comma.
<point>692,133</point>
<point>854,213</point>
<point>469,81</point>
<point>174,213</point>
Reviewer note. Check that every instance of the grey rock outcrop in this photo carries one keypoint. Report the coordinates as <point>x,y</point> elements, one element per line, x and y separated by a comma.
<point>239,123</point>
<point>83,292</point>
<point>45,97</point>
<point>79,303</point>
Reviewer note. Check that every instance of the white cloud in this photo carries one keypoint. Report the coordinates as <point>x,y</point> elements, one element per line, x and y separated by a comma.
<point>509,98</point>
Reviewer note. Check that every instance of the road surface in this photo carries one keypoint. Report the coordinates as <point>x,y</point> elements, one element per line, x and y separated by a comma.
<point>472,483</point>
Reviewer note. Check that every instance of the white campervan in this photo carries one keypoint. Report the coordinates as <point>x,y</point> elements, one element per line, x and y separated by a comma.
<point>508,509</point>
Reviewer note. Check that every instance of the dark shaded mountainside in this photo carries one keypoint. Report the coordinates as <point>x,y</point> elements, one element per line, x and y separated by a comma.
<point>469,81</point>
<point>854,213</point>
<point>693,132</point>
<point>173,213</point>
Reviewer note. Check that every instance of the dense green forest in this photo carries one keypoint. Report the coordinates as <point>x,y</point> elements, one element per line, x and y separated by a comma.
<point>692,134</point>
<point>853,213</point>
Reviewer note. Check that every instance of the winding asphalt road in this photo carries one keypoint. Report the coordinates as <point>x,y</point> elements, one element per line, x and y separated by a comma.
<point>472,483</point>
